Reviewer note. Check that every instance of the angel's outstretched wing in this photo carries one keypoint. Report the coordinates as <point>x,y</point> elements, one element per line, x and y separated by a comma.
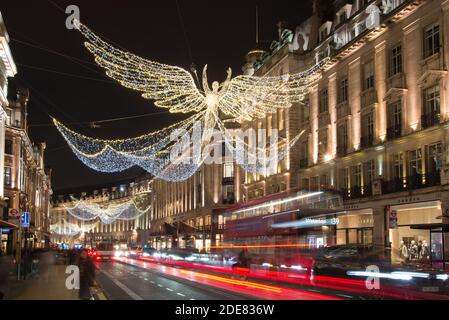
<point>250,97</point>
<point>170,86</point>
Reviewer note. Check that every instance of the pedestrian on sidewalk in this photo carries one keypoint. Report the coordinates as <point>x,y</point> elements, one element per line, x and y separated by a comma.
<point>87,276</point>
<point>6,267</point>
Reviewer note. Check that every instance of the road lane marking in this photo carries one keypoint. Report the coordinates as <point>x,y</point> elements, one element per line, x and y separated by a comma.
<point>127,290</point>
<point>159,285</point>
<point>169,289</point>
<point>192,299</point>
<point>345,296</point>
<point>180,294</point>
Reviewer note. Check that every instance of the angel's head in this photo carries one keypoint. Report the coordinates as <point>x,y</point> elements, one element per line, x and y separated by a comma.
<point>215,86</point>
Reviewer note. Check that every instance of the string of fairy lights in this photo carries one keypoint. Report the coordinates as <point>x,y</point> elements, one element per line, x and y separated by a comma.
<point>86,210</point>
<point>66,229</point>
<point>89,214</point>
<point>241,99</point>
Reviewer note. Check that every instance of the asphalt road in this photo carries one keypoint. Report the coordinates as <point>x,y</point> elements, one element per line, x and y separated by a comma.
<point>125,282</point>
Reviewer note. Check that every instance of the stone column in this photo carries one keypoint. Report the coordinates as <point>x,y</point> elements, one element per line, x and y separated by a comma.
<point>332,136</point>
<point>380,233</point>
<point>354,82</point>
<point>380,64</point>
<point>412,57</point>
<point>314,124</point>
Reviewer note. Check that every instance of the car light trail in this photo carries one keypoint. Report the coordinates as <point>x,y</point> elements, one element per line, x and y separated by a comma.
<point>244,287</point>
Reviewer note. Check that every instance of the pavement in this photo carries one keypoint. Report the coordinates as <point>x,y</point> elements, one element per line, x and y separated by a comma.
<point>48,284</point>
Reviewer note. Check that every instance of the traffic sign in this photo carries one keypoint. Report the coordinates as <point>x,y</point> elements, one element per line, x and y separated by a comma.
<point>25,220</point>
<point>13,213</point>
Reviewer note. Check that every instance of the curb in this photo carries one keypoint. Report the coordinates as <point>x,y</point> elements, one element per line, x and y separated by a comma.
<point>99,295</point>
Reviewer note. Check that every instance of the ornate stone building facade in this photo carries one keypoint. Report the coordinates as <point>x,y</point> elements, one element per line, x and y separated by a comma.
<point>27,183</point>
<point>375,124</point>
<point>7,69</point>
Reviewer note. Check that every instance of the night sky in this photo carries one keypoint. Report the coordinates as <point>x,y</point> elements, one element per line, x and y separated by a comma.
<point>65,83</point>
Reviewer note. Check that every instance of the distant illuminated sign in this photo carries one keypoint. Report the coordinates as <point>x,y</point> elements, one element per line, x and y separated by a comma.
<point>307,223</point>
<point>25,220</point>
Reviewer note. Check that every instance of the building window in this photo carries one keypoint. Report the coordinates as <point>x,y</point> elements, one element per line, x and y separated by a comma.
<point>343,91</point>
<point>396,60</point>
<point>342,17</point>
<point>8,146</point>
<point>323,34</point>
<point>305,183</point>
<point>8,176</point>
<point>398,166</point>
<point>228,194</point>
<point>324,101</point>
<point>322,144</point>
<point>368,75</point>
<point>314,184</point>
<point>434,158</point>
<point>324,184</point>
<point>369,171</point>
<point>431,40</point>
<point>342,140</point>
<point>9,117</point>
<point>228,170</point>
<point>431,110</point>
<point>345,178</point>
<point>362,4</point>
<point>368,130</point>
<point>415,163</point>
<point>357,175</point>
<point>394,129</point>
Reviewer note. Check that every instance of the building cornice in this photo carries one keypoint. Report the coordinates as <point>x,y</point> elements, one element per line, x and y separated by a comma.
<point>5,51</point>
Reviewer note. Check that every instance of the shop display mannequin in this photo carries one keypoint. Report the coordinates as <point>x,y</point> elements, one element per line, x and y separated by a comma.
<point>403,251</point>
<point>425,250</point>
<point>413,250</point>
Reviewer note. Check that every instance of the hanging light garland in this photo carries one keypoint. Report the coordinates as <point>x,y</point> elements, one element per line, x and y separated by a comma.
<point>243,98</point>
<point>85,210</point>
<point>67,229</point>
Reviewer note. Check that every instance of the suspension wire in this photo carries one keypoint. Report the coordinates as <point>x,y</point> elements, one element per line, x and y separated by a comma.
<point>105,120</point>
<point>49,102</point>
<point>193,68</point>
<point>47,49</point>
<point>64,73</point>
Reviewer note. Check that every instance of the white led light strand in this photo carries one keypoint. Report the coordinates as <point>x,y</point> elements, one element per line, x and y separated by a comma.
<point>243,98</point>
<point>88,211</point>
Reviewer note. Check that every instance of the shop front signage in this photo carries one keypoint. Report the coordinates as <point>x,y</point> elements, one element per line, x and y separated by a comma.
<point>13,213</point>
<point>392,217</point>
<point>25,220</point>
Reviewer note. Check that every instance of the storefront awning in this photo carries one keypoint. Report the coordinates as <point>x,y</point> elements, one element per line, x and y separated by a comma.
<point>439,227</point>
<point>6,224</point>
<point>186,229</point>
<point>169,229</point>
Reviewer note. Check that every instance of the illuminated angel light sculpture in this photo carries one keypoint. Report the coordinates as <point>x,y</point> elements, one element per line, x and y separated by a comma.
<point>67,229</point>
<point>239,99</point>
<point>85,210</point>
